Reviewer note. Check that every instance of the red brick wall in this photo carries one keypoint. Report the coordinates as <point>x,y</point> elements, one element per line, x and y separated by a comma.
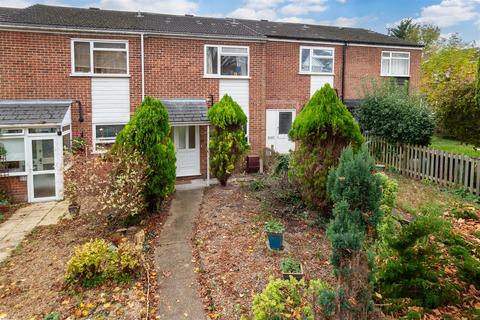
<point>363,64</point>
<point>37,66</point>
<point>16,187</point>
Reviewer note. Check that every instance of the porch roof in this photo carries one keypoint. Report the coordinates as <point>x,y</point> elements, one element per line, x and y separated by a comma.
<point>34,112</point>
<point>191,111</point>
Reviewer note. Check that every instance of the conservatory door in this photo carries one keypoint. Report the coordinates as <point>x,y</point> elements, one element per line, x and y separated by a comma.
<point>43,169</point>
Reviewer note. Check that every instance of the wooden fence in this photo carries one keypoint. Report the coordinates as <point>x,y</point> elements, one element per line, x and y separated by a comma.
<point>442,167</point>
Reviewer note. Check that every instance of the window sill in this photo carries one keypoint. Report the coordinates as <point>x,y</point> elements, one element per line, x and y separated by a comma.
<point>14,174</point>
<point>315,74</point>
<point>395,75</point>
<point>226,77</point>
<point>79,75</point>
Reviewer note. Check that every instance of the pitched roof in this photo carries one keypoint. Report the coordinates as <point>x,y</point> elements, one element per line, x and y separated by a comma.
<point>186,110</point>
<point>108,20</point>
<point>31,112</point>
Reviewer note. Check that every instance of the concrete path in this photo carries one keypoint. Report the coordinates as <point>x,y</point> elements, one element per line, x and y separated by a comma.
<point>22,222</point>
<point>179,298</point>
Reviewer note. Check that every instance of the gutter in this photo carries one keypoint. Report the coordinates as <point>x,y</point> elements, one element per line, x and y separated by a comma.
<point>344,56</point>
<point>142,63</point>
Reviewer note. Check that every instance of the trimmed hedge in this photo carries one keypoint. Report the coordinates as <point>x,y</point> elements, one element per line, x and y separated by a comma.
<point>388,111</point>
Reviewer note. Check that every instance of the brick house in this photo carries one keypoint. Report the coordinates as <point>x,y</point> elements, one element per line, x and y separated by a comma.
<point>70,72</point>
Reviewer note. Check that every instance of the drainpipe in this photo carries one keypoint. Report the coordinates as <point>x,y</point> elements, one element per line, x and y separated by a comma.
<point>142,63</point>
<point>344,55</point>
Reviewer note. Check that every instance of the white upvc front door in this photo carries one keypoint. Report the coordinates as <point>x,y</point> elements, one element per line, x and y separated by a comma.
<point>187,147</point>
<point>45,179</point>
<point>279,122</point>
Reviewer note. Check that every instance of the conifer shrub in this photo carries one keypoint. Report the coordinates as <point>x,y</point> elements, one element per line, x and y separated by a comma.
<point>228,142</point>
<point>414,268</point>
<point>390,112</point>
<point>322,129</point>
<point>148,132</point>
<point>357,195</point>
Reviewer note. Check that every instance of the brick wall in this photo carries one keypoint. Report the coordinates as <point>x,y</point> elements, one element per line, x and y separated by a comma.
<point>16,187</point>
<point>363,64</point>
<point>37,66</point>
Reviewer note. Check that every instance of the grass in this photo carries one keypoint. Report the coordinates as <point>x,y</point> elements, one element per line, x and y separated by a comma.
<point>455,146</point>
<point>414,195</point>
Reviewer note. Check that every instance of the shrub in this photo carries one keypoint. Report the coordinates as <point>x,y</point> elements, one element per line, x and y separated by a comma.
<point>323,129</point>
<point>228,142</point>
<point>415,267</point>
<point>274,226</point>
<point>289,265</point>
<point>124,195</point>
<point>148,132</point>
<point>282,298</point>
<point>97,261</point>
<point>390,112</point>
<point>389,192</point>
<point>356,193</point>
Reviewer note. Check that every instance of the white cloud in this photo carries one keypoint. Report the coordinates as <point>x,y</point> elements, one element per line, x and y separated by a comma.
<point>297,20</point>
<point>342,1</point>
<point>163,6</point>
<point>250,13</point>
<point>262,4</point>
<point>450,12</point>
<point>299,7</point>
<point>347,22</point>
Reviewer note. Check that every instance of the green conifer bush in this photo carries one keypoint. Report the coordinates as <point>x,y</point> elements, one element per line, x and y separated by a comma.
<point>228,142</point>
<point>357,195</point>
<point>322,129</point>
<point>149,133</point>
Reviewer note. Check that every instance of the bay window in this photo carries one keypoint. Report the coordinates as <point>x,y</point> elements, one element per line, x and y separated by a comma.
<point>395,64</point>
<point>316,60</point>
<point>92,57</point>
<point>227,61</point>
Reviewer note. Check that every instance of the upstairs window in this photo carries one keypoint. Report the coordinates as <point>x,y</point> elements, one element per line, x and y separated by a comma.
<point>226,61</point>
<point>99,57</point>
<point>316,60</point>
<point>395,64</point>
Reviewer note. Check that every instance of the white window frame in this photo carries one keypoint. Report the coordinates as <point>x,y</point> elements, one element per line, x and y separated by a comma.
<point>9,136</point>
<point>91,42</point>
<point>96,141</point>
<point>311,58</point>
<point>219,55</point>
<point>390,63</point>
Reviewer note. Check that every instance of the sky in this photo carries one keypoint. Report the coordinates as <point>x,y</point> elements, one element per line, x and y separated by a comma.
<point>461,16</point>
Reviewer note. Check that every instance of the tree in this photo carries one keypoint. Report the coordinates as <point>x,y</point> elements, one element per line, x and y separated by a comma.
<point>148,132</point>
<point>448,82</point>
<point>477,86</point>
<point>403,29</point>
<point>322,129</point>
<point>227,140</point>
<point>357,196</point>
<point>425,34</point>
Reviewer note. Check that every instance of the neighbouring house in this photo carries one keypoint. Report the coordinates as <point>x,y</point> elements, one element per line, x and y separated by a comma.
<point>71,72</point>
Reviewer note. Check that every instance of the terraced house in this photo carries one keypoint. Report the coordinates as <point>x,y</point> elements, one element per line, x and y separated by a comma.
<point>71,72</point>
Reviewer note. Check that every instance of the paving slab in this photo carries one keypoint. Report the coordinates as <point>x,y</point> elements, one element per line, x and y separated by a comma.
<point>178,286</point>
<point>24,220</point>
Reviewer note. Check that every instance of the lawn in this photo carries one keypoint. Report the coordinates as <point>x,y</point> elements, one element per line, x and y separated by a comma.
<point>455,146</point>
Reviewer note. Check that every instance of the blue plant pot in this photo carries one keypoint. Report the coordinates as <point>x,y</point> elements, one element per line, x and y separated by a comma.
<point>275,240</point>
